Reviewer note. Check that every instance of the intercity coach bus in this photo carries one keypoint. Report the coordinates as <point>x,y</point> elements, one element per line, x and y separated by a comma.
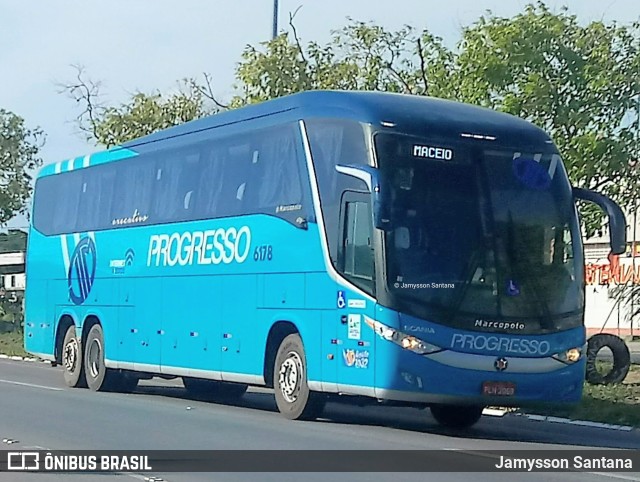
<point>395,248</point>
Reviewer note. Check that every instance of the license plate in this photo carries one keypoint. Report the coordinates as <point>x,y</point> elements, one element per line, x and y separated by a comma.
<point>500,389</point>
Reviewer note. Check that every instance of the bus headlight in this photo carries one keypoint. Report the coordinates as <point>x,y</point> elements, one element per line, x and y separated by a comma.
<point>570,356</point>
<point>416,345</point>
<point>408,342</point>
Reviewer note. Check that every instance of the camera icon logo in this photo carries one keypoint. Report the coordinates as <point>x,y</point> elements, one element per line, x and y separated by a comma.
<point>23,461</point>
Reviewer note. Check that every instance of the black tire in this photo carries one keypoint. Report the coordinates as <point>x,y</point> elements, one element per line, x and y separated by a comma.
<point>72,360</point>
<point>456,416</point>
<point>621,359</point>
<point>215,389</point>
<point>294,399</point>
<point>95,369</point>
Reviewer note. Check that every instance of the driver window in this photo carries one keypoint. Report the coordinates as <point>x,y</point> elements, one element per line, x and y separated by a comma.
<point>358,260</point>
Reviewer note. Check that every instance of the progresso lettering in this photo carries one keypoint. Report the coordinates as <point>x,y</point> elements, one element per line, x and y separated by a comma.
<point>517,346</point>
<point>200,247</point>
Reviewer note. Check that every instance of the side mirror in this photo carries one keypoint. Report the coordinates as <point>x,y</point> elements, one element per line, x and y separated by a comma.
<point>617,222</point>
<point>378,189</point>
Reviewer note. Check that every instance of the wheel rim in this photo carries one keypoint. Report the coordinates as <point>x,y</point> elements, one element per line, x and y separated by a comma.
<point>94,356</point>
<point>70,355</point>
<point>290,377</point>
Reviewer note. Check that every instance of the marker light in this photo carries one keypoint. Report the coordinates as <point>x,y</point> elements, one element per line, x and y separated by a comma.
<point>570,356</point>
<point>408,342</point>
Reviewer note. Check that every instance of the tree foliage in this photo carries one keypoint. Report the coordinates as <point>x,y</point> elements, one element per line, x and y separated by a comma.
<point>143,113</point>
<point>19,148</point>
<point>578,82</point>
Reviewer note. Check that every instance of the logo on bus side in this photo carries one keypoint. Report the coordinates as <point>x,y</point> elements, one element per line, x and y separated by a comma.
<point>200,247</point>
<point>82,270</point>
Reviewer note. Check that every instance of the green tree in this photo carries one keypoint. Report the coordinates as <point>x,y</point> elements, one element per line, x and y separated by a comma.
<point>579,83</point>
<point>360,56</point>
<point>19,148</point>
<point>143,113</point>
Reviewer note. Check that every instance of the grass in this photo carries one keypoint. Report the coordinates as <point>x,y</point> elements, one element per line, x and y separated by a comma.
<point>12,344</point>
<point>615,404</point>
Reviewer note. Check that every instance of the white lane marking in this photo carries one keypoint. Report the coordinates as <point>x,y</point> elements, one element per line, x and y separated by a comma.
<point>32,385</point>
<point>615,476</point>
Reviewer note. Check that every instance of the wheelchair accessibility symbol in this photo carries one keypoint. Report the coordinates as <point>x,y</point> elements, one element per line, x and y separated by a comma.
<point>341,303</point>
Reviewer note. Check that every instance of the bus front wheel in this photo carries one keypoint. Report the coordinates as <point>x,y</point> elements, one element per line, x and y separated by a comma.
<point>456,416</point>
<point>72,363</point>
<point>294,399</point>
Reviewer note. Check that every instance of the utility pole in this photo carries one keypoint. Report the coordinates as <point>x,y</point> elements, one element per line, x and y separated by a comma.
<point>274,33</point>
<point>634,244</point>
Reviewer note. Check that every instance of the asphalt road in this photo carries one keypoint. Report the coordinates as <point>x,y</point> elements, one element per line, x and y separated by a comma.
<point>38,411</point>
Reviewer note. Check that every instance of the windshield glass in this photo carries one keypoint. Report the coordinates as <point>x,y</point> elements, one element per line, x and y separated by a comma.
<point>482,237</point>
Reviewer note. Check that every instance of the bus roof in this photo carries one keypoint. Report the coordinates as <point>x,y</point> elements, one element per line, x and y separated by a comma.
<point>413,114</point>
<point>406,112</point>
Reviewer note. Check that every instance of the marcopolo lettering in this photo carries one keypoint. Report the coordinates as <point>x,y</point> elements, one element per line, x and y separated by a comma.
<point>500,325</point>
<point>431,152</point>
<point>518,346</point>
<point>200,247</point>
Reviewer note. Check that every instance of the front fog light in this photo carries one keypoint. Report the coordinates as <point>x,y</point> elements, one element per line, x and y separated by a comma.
<point>572,355</point>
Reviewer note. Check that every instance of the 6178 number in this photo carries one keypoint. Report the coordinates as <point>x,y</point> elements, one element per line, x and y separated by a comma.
<point>263,252</point>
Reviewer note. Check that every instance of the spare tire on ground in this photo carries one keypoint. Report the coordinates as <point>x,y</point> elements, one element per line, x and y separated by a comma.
<point>621,359</point>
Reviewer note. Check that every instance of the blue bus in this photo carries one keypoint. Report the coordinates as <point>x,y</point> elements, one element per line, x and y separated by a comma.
<point>388,247</point>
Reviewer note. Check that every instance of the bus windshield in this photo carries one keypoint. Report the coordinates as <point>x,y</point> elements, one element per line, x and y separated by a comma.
<point>482,237</point>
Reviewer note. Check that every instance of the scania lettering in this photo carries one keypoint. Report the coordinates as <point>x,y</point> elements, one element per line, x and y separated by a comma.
<point>363,245</point>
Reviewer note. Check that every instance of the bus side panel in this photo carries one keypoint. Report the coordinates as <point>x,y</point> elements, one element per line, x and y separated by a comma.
<point>242,335</point>
<point>39,328</point>
<point>191,322</point>
<point>146,320</point>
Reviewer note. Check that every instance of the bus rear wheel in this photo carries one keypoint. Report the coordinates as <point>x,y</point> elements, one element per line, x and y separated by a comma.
<point>294,399</point>
<point>99,378</point>
<point>212,388</point>
<point>72,363</point>
<point>456,416</point>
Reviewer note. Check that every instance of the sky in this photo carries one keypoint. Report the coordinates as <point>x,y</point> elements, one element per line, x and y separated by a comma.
<point>148,45</point>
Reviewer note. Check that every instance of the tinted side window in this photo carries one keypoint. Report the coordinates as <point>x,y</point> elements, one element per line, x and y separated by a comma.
<point>334,142</point>
<point>254,173</point>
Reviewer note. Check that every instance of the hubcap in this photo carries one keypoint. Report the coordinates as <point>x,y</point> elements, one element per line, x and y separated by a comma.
<point>95,358</point>
<point>70,355</point>
<point>290,376</point>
